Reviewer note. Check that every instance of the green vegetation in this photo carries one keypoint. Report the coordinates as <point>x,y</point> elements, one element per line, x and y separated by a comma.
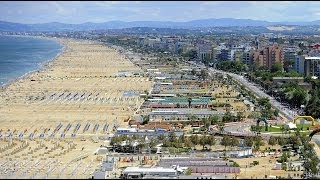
<point>229,141</point>
<point>280,128</point>
<point>191,54</point>
<point>257,142</point>
<point>232,66</point>
<point>294,94</point>
<point>188,171</point>
<point>187,142</point>
<point>313,105</point>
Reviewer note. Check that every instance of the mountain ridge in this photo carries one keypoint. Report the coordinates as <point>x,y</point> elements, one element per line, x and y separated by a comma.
<point>200,23</point>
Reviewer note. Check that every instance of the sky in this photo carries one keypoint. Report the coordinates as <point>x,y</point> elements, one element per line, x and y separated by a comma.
<point>76,12</point>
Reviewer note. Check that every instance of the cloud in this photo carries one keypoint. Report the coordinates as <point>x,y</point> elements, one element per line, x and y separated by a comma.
<point>81,11</point>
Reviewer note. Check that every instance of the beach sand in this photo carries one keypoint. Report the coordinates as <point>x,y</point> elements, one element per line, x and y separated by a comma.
<point>79,86</point>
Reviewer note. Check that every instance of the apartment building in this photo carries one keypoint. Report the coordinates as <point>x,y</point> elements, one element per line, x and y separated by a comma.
<point>312,66</point>
<point>269,56</point>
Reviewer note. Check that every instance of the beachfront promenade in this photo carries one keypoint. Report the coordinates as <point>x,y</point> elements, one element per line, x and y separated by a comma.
<point>77,93</point>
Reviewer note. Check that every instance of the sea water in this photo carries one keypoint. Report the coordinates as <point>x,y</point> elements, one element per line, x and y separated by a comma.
<point>20,55</point>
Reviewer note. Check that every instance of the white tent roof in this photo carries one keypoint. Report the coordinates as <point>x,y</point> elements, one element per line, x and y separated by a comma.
<point>291,125</point>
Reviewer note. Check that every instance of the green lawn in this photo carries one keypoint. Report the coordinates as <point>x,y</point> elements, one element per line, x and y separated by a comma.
<point>178,150</point>
<point>277,128</point>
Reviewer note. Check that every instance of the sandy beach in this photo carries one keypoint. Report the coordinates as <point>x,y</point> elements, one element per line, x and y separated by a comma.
<point>78,92</point>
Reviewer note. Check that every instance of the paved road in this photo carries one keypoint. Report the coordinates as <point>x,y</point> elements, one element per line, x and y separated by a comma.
<point>240,130</point>
<point>287,113</point>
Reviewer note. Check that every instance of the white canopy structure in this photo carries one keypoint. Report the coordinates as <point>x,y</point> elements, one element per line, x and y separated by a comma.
<point>291,125</point>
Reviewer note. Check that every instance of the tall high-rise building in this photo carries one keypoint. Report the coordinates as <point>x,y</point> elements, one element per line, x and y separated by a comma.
<point>247,57</point>
<point>269,56</point>
<point>312,66</point>
<point>204,51</point>
<point>298,65</point>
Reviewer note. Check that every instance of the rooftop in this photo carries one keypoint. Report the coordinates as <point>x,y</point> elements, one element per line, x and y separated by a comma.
<point>183,100</point>
<point>185,111</point>
<point>312,58</point>
<point>288,77</point>
<point>147,170</point>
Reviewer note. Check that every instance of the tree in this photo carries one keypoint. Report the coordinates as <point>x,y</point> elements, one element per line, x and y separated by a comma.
<point>204,74</point>
<point>282,141</point>
<point>210,141</point>
<point>299,97</point>
<point>188,143</point>
<point>203,141</point>
<point>188,171</point>
<point>206,123</point>
<point>272,141</point>
<point>152,143</point>
<point>313,106</point>
<point>234,142</point>
<point>190,54</point>
<point>220,127</point>
<point>248,141</point>
<point>277,67</point>
<point>213,119</point>
<point>311,165</point>
<point>284,157</point>
<point>227,117</point>
<point>194,139</point>
<point>114,140</point>
<point>295,140</point>
<point>276,112</point>
<point>141,146</point>
<point>240,116</point>
<point>178,105</point>
<point>145,119</point>
<point>258,142</point>
<point>225,141</point>
<point>207,60</point>
<point>172,137</point>
<point>288,64</point>
<point>193,72</point>
<point>161,137</point>
<point>264,102</point>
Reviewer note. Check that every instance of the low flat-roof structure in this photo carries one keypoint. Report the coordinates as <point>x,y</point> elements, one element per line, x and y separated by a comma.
<point>182,113</point>
<point>312,58</point>
<point>140,172</point>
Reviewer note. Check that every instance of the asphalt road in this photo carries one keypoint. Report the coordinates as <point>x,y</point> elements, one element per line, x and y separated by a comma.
<point>287,113</point>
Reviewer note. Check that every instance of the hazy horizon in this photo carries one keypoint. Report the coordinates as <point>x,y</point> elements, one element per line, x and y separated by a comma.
<point>77,12</point>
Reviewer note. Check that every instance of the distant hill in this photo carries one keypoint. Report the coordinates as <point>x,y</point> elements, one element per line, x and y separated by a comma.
<point>222,22</point>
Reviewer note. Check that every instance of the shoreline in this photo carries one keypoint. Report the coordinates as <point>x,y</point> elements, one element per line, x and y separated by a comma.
<point>41,66</point>
<point>75,99</point>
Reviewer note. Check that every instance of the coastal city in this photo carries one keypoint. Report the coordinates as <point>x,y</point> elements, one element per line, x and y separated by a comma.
<point>217,99</point>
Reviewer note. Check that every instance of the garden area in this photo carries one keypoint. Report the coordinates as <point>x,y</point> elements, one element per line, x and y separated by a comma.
<point>304,129</point>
